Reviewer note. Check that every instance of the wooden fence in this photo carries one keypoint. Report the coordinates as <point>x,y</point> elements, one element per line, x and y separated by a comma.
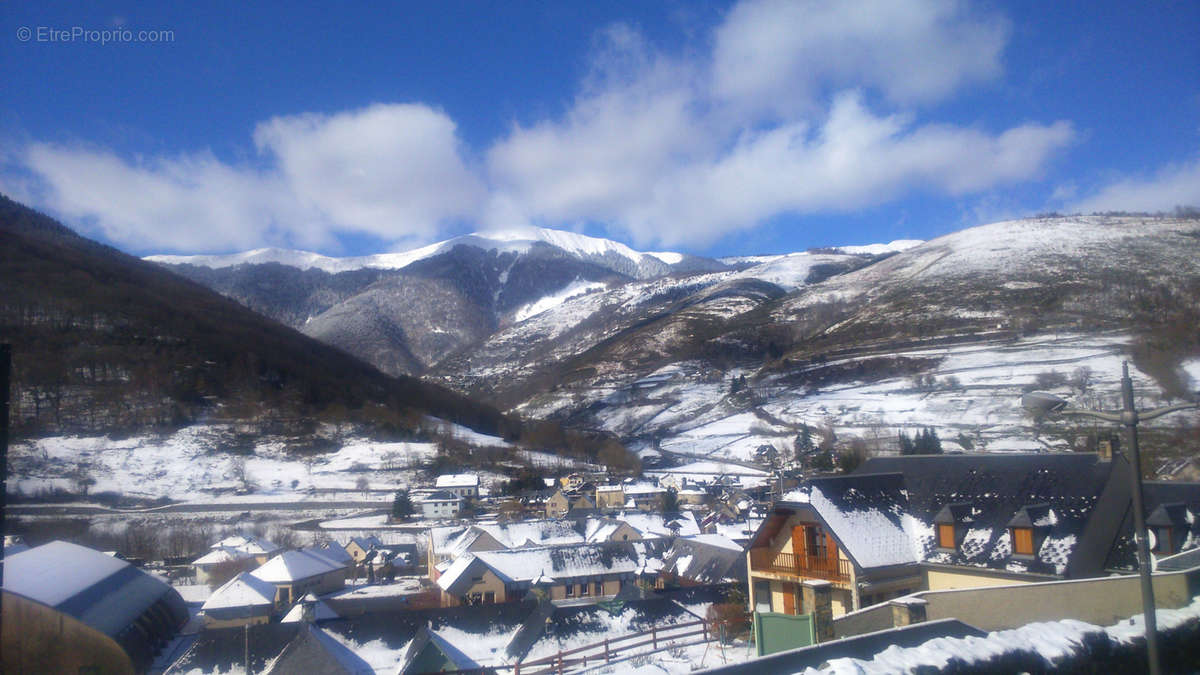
<point>609,650</point>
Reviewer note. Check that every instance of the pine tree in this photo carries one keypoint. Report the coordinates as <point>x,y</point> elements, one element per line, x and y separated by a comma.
<point>402,505</point>
<point>804,442</point>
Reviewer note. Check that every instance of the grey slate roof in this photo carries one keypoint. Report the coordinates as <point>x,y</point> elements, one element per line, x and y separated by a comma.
<point>104,592</point>
<point>984,493</point>
<point>313,652</point>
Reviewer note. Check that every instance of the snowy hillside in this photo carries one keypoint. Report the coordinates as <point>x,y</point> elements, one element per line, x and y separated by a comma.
<point>947,334</point>
<point>191,465</point>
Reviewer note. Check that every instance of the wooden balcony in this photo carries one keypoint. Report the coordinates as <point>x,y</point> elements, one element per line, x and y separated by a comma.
<point>804,566</point>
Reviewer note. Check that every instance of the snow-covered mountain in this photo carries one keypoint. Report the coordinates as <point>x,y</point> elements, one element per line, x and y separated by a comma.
<point>606,253</point>
<point>946,334</point>
<point>855,342</point>
<point>407,312</point>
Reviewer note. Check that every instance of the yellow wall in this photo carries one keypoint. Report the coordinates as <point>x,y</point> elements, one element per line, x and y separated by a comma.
<point>625,533</point>
<point>938,580</point>
<point>610,499</point>
<point>210,622</point>
<point>556,505</point>
<point>489,582</point>
<point>39,639</point>
<point>1102,601</point>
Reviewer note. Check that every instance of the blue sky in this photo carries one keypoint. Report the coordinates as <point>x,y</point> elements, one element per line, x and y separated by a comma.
<point>723,128</point>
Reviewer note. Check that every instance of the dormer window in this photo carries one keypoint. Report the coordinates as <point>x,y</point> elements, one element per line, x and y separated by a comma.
<point>1029,527</point>
<point>952,523</point>
<point>945,536</point>
<point>1022,540</point>
<point>1165,521</point>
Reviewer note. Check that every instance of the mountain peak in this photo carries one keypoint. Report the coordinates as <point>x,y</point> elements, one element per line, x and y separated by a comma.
<point>606,252</point>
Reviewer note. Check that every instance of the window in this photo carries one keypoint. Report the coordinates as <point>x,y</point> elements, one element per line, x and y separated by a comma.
<point>762,596</point>
<point>570,590</point>
<point>489,597</point>
<point>583,589</point>
<point>946,536</point>
<point>1022,540</point>
<point>599,588</point>
<point>816,541</point>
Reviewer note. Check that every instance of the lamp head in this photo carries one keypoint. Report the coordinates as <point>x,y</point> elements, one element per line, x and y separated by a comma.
<point>1041,403</point>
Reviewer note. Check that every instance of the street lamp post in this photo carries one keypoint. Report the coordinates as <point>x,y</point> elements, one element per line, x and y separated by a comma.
<point>1043,404</point>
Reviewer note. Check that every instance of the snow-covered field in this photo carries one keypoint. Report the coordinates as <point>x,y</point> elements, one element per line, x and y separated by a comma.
<point>190,466</point>
<point>975,392</point>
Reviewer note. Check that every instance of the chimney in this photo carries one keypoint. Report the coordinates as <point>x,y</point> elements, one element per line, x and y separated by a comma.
<point>907,611</point>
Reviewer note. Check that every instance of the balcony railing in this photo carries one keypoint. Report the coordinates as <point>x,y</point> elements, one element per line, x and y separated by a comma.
<point>812,567</point>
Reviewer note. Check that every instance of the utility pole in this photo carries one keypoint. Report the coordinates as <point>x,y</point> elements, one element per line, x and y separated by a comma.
<point>1042,404</point>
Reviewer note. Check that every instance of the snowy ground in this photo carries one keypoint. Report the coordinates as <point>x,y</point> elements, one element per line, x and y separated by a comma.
<point>1053,641</point>
<point>189,466</point>
<point>976,392</point>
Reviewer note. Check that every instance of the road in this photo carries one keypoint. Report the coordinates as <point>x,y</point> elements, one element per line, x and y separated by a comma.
<point>95,510</point>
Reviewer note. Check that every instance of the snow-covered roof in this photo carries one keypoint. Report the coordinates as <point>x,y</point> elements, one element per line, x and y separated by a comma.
<point>217,556</point>
<point>458,480</point>
<point>655,524</point>
<point>248,544</point>
<point>560,562</point>
<point>104,592</point>
<point>315,651</point>
<point>718,540</point>
<point>642,490</point>
<point>437,496</point>
<point>244,590</point>
<point>295,565</point>
<point>366,543</point>
<point>321,612</point>
<point>868,515</point>
<point>335,552</point>
<point>532,533</point>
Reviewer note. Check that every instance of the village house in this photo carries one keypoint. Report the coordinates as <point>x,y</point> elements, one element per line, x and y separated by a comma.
<point>244,599</point>
<point>644,496</point>
<point>254,551</point>
<point>465,485</point>
<point>72,609</point>
<point>358,547</point>
<point>448,543</point>
<point>610,497</point>
<point>438,504</point>
<point>563,572</point>
<point>912,523</point>
<point>557,504</point>
<point>571,482</point>
<point>295,573</point>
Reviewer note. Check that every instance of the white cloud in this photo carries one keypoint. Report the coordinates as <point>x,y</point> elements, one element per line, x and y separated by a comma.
<point>1171,186</point>
<point>387,170</point>
<point>393,171</point>
<point>856,159</point>
<point>189,203</point>
<point>672,149</point>
<point>783,56</point>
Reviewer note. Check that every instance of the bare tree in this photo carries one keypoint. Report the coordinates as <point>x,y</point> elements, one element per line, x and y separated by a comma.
<point>1081,379</point>
<point>237,470</point>
<point>362,485</point>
